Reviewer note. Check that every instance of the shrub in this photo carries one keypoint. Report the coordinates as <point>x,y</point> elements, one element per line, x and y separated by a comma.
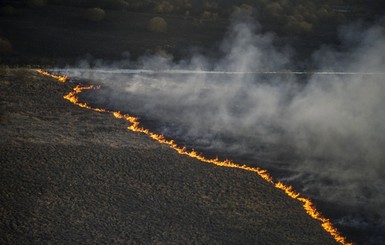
<point>206,15</point>
<point>164,7</point>
<point>306,26</point>
<point>157,24</point>
<point>210,6</point>
<point>5,46</point>
<point>94,14</point>
<point>244,10</point>
<point>298,26</point>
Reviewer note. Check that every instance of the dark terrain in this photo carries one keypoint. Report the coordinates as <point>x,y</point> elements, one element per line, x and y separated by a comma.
<point>58,35</point>
<point>71,175</point>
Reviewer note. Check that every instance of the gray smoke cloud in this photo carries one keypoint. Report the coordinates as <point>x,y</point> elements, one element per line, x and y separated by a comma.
<point>326,130</point>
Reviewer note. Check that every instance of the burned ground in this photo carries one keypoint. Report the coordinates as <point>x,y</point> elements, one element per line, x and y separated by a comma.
<point>71,175</point>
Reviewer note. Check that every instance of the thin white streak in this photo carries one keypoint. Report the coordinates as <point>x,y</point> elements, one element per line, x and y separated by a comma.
<point>144,71</point>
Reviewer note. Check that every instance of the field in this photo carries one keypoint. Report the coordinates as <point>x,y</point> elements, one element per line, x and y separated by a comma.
<point>59,35</point>
<point>69,38</point>
<point>70,175</point>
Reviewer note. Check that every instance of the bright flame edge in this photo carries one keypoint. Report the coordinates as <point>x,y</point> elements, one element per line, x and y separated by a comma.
<point>307,204</point>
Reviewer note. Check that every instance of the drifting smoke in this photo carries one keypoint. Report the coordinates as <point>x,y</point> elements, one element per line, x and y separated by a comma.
<point>325,131</point>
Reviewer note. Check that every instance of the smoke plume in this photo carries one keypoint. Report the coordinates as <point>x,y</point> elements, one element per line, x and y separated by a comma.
<point>326,131</point>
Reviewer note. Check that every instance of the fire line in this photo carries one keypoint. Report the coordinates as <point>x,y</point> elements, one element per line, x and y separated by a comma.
<point>307,204</point>
<point>61,79</point>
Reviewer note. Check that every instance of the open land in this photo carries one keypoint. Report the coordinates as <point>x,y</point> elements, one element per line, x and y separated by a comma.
<point>71,175</point>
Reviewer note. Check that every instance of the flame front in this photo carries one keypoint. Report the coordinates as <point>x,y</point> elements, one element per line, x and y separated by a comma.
<point>135,127</point>
<point>61,79</point>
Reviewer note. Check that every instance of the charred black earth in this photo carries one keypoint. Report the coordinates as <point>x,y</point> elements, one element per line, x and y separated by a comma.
<point>71,175</point>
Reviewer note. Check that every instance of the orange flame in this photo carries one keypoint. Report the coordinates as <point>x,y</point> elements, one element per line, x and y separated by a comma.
<point>135,127</point>
<point>61,79</point>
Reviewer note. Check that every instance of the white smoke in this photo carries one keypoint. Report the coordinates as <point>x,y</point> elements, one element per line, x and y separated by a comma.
<point>321,126</point>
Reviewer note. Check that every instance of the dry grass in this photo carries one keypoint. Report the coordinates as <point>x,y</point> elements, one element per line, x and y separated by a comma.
<point>70,175</point>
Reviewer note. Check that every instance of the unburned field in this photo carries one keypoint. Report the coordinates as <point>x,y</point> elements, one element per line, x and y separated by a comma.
<point>60,35</point>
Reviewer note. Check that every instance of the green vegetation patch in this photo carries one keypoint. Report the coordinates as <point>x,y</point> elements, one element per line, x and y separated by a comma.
<point>157,24</point>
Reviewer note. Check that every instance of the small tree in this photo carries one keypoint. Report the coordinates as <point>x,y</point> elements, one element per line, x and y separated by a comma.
<point>94,14</point>
<point>157,24</point>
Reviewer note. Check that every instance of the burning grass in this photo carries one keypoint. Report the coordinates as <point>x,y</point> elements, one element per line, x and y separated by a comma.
<point>70,175</point>
<point>136,127</point>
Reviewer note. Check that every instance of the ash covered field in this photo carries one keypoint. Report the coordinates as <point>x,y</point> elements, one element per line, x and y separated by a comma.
<point>321,131</point>
<point>327,168</point>
<point>71,175</point>
<point>330,174</point>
